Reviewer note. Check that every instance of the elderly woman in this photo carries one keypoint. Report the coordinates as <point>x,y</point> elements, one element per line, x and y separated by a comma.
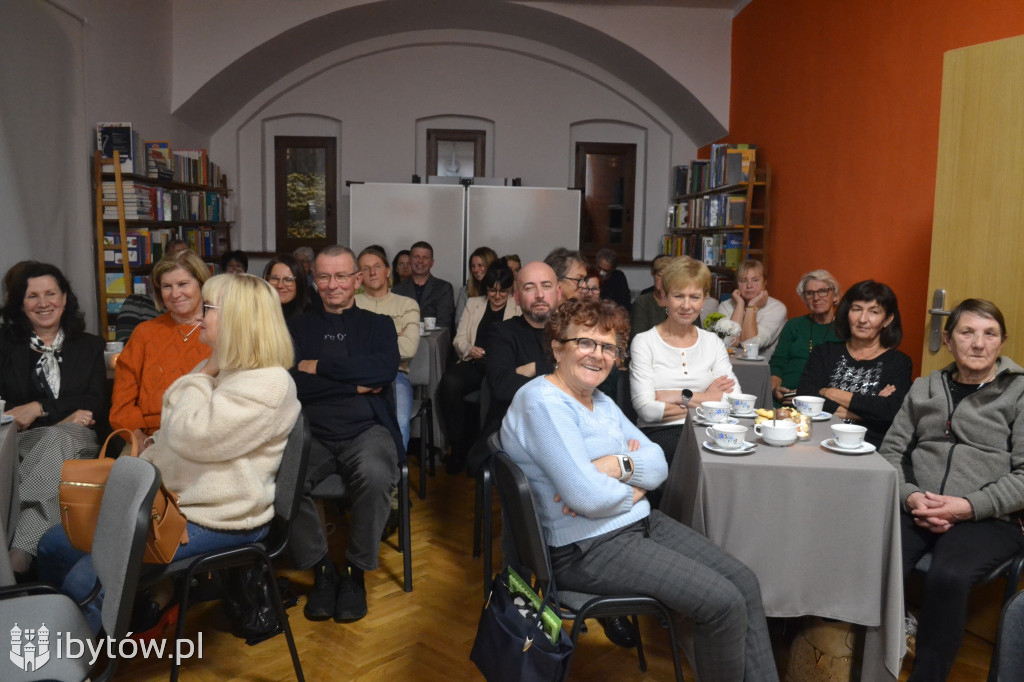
<point>288,277</point>
<point>53,379</point>
<point>863,378</point>
<point>162,349</point>
<point>820,293</point>
<point>677,364</point>
<point>590,470</point>
<point>614,286</point>
<point>479,261</point>
<point>467,376</point>
<point>958,449</point>
<point>224,429</point>
<point>404,313</point>
<point>759,315</point>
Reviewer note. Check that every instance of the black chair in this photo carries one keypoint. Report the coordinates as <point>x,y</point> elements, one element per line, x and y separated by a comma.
<point>118,547</point>
<point>519,508</point>
<point>291,475</point>
<point>1009,647</point>
<point>423,409</point>
<point>1010,569</point>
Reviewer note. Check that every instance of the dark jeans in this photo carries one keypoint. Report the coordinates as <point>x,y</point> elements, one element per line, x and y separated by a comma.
<point>369,466</point>
<point>457,382</point>
<point>961,557</point>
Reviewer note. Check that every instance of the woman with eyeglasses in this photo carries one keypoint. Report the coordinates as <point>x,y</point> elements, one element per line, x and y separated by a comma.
<point>288,277</point>
<point>590,471</point>
<point>223,431</point>
<point>467,376</point>
<point>820,293</point>
<point>677,365</point>
<point>590,287</point>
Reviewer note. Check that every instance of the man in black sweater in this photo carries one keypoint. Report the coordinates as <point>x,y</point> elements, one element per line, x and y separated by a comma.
<point>346,360</point>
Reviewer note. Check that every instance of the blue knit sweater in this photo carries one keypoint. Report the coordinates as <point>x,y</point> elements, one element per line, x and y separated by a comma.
<point>554,440</point>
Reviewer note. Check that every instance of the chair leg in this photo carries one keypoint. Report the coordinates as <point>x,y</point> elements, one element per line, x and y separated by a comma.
<point>424,449</point>
<point>488,527</point>
<point>478,509</point>
<point>430,434</point>
<point>639,646</point>
<point>179,628</point>
<point>282,617</point>
<point>405,538</point>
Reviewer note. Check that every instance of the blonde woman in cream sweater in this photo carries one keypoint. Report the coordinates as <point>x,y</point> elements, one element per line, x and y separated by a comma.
<point>223,431</point>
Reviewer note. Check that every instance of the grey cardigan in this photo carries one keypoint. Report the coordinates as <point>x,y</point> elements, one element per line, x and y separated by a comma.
<point>972,452</point>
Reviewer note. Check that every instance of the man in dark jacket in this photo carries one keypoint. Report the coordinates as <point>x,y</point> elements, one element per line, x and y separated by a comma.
<point>435,296</point>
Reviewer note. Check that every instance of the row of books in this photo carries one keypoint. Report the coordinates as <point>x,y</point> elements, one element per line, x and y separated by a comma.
<point>146,202</point>
<point>716,210</point>
<point>730,164</point>
<point>145,246</point>
<point>154,159</point>
<point>718,250</point>
<point>141,284</point>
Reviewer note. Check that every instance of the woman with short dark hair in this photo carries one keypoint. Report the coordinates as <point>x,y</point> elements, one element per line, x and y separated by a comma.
<point>862,378</point>
<point>288,277</point>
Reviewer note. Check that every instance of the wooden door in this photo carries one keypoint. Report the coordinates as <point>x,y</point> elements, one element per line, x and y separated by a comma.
<point>978,231</point>
<point>606,174</point>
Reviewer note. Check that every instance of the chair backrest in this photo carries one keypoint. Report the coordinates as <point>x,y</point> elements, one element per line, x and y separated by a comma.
<point>120,540</point>
<point>1010,642</point>
<point>419,365</point>
<point>518,504</point>
<point>288,485</point>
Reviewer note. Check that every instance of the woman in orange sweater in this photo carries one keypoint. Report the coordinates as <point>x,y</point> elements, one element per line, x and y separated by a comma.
<point>162,349</point>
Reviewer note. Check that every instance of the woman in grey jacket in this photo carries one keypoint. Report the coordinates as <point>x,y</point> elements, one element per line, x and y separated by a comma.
<point>961,474</point>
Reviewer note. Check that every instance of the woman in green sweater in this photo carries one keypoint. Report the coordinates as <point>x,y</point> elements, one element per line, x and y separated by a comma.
<point>820,292</point>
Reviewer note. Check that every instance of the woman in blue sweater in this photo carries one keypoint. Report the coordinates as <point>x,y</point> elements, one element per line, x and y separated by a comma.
<point>591,469</point>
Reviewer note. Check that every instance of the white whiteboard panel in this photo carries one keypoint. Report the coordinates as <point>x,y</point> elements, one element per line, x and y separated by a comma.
<point>529,221</point>
<point>396,215</point>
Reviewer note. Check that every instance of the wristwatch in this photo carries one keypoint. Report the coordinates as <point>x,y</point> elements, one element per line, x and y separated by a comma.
<point>626,467</point>
<point>687,395</point>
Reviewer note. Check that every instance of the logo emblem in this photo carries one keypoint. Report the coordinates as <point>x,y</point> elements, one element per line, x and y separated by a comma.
<point>30,649</point>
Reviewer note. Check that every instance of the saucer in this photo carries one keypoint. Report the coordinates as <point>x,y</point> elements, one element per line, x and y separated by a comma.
<point>700,422</point>
<point>821,417</point>
<point>753,359</point>
<point>862,449</point>
<point>745,415</point>
<point>6,419</point>
<point>745,449</point>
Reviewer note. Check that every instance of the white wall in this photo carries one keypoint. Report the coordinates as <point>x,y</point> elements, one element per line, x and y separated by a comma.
<point>541,101</point>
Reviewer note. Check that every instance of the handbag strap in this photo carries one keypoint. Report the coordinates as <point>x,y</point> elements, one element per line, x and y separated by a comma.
<point>130,437</point>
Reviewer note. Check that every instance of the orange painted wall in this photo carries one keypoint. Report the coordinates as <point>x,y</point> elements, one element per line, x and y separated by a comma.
<point>842,98</point>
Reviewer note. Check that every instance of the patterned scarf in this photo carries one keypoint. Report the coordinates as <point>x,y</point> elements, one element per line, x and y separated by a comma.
<point>48,367</point>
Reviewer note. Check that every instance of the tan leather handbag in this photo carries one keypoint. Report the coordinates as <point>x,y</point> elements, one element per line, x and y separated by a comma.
<point>82,482</point>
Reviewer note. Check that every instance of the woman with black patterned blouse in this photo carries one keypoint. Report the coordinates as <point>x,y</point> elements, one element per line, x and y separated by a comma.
<point>863,378</point>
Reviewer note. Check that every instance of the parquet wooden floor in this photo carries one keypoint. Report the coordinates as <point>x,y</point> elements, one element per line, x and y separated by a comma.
<point>426,635</point>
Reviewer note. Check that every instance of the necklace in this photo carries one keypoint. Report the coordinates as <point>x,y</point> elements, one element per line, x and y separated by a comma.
<point>184,337</point>
<point>871,353</point>
<point>810,335</point>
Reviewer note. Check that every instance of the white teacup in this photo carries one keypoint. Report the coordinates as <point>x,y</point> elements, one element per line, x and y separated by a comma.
<point>778,433</point>
<point>742,403</point>
<point>713,411</point>
<point>115,346</point>
<point>727,436</point>
<point>848,436</point>
<point>3,404</point>
<point>430,322</point>
<point>751,349</point>
<point>811,405</point>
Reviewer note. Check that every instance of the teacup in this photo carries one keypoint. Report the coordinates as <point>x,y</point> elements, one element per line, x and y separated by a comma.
<point>848,436</point>
<point>3,404</point>
<point>742,403</point>
<point>713,411</point>
<point>777,433</point>
<point>751,349</point>
<point>727,436</point>
<point>430,323</point>
<point>811,405</point>
<point>115,346</point>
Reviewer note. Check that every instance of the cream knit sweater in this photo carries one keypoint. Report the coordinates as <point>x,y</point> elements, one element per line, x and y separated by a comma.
<point>221,441</point>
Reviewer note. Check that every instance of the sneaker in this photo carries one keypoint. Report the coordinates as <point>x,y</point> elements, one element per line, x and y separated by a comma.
<point>320,600</point>
<point>351,604</point>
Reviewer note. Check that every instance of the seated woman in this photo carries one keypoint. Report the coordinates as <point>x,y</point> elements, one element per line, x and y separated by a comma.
<point>479,261</point>
<point>286,274</point>
<point>677,364</point>
<point>234,262</point>
<point>224,429</point>
<point>862,378</point>
<point>53,379</point>
<point>401,267</point>
<point>404,313</point>
<point>513,262</point>
<point>590,470</point>
<point>649,308</point>
<point>467,376</point>
<point>820,292</point>
<point>958,456</point>
<point>759,315</point>
<point>162,349</point>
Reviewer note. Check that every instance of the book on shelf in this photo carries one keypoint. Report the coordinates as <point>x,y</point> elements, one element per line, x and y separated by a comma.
<point>158,160</point>
<point>698,179</point>
<point>120,136</point>
<point>730,163</point>
<point>681,179</point>
<point>736,210</point>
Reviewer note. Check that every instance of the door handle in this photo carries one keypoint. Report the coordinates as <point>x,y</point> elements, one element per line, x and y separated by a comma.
<point>937,312</point>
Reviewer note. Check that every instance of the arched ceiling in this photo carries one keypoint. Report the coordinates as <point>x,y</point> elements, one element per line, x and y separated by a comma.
<point>223,95</point>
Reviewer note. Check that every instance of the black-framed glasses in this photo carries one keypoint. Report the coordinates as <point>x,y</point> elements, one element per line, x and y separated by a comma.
<point>325,278</point>
<point>207,306</point>
<point>274,279</point>
<point>817,293</point>
<point>578,280</point>
<point>588,346</point>
<point>498,291</point>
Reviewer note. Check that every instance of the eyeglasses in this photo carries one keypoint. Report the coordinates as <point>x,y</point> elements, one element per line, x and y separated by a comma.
<point>588,346</point>
<point>586,289</point>
<point>497,292</point>
<point>207,306</point>
<point>578,280</point>
<point>288,281</point>
<point>325,278</point>
<point>816,293</point>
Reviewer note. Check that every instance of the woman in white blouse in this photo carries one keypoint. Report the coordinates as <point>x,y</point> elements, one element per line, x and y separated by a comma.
<point>760,316</point>
<point>677,364</point>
